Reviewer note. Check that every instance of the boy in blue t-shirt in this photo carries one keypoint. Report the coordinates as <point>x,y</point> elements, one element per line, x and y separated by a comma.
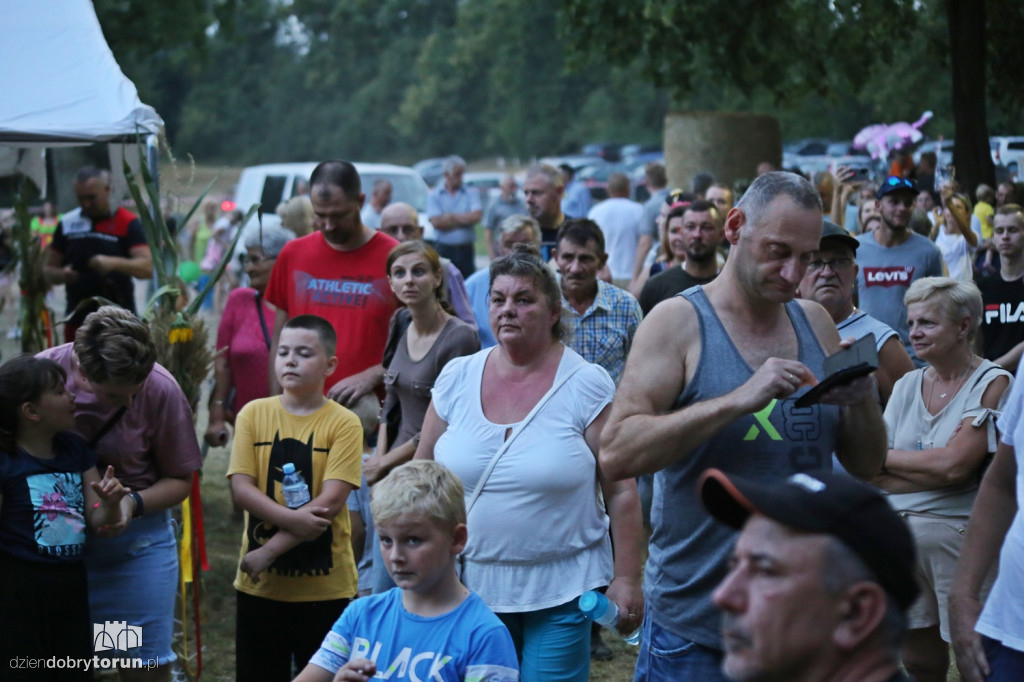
<point>430,626</point>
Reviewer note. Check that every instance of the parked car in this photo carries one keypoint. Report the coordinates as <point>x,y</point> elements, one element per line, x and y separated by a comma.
<point>605,150</point>
<point>577,161</point>
<point>1006,150</point>
<point>631,152</point>
<point>943,150</point>
<point>430,170</point>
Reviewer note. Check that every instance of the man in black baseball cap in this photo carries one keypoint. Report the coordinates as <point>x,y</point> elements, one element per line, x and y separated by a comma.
<point>821,578</point>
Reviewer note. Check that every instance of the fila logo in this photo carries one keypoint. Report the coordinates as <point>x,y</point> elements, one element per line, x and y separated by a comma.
<point>1005,313</point>
<point>895,276</point>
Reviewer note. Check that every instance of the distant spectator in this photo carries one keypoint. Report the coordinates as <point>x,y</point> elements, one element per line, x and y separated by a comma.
<point>576,202</point>
<point>619,219</point>
<point>544,188</point>
<point>454,212</point>
<point>765,167</point>
<point>954,237</point>
<point>701,183</point>
<point>657,184</point>
<point>379,198</point>
<point>722,197</point>
<point>506,205</point>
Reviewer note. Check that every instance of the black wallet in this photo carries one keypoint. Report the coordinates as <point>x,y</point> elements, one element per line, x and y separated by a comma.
<point>849,363</point>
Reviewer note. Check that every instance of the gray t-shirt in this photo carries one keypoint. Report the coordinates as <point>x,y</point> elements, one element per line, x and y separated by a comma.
<point>887,272</point>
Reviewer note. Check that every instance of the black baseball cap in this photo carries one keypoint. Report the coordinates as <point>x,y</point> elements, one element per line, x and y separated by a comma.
<point>828,503</point>
<point>832,231</point>
<point>895,183</point>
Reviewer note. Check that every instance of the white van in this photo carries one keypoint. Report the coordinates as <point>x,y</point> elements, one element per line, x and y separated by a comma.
<point>270,184</point>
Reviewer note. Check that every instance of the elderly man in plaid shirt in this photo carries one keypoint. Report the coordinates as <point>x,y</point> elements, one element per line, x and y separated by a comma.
<point>602,318</point>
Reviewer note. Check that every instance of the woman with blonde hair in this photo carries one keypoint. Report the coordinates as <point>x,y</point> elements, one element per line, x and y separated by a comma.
<point>953,235</point>
<point>941,427</point>
<point>297,215</point>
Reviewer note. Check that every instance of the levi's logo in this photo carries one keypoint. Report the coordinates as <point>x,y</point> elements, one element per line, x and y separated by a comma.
<point>895,276</point>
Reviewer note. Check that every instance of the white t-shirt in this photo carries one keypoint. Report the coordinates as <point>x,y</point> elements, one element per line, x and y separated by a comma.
<point>1003,616</point>
<point>619,220</point>
<point>538,533</point>
<point>956,253</point>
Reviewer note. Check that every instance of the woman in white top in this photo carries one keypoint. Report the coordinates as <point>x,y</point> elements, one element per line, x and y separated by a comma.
<point>955,238</point>
<point>538,527</point>
<point>940,421</point>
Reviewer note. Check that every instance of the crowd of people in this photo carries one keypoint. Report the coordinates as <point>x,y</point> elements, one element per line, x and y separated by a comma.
<point>434,463</point>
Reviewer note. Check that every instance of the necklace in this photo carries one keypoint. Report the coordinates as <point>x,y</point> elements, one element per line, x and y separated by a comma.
<point>963,377</point>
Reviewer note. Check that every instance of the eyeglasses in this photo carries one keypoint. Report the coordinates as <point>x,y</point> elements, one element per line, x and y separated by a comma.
<point>407,230</point>
<point>835,264</point>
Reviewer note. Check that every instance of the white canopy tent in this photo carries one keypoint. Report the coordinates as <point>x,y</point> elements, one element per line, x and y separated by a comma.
<point>61,86</point>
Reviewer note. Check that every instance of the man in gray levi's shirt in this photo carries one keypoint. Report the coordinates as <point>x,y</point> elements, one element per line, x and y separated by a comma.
<point>710,382</point>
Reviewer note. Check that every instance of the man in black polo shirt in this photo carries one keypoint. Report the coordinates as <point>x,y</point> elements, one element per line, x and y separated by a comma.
<point>96,250</point>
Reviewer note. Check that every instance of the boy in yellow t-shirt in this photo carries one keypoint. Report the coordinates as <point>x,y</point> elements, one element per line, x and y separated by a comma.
<point>297,573</point>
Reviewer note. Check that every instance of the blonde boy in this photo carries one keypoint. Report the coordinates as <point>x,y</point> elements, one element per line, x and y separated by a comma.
<point>296,573</point>
<point>429,626</point>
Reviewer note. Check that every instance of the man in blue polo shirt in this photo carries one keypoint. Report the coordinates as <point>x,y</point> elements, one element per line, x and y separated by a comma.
<point>454,212</point>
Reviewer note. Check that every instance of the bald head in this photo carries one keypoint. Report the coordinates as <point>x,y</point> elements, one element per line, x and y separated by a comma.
<point>401,221</point>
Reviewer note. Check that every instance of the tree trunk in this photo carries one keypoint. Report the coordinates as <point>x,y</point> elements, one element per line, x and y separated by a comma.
<point>971,153</point>
<point>729,145</point>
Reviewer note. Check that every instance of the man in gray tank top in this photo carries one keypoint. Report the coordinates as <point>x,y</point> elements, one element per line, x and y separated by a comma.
<point>711,381</point>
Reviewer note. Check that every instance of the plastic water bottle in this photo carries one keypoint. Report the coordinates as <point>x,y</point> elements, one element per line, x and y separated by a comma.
<point>294,488</point>
<point>599,609</point>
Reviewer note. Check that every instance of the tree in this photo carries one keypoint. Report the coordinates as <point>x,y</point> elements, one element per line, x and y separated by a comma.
<point>793,49</point>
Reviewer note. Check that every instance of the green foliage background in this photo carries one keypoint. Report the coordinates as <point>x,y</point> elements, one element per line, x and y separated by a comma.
<point>245,81</point>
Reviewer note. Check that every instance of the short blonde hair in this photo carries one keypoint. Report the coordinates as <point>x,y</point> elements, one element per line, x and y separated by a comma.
<point>420,488</point>
<point>957,298</point>
<point>297,215</point>
<point>114,346</point>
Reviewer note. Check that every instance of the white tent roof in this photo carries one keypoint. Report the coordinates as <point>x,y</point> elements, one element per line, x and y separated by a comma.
<point>60,83</point>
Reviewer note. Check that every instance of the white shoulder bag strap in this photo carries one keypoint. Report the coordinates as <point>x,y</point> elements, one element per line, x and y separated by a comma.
<point>515,433</point>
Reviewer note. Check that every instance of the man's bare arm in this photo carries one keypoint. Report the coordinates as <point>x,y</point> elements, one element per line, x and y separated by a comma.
<point>642,435</point>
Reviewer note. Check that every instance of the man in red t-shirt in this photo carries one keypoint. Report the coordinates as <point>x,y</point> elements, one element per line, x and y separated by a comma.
<point>339,273</point>
<point>96,251</point>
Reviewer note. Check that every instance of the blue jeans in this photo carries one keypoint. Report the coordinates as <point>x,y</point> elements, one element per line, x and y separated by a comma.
<point>553,644</point>
<point>1007,664</point>
<point>667,657</point>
